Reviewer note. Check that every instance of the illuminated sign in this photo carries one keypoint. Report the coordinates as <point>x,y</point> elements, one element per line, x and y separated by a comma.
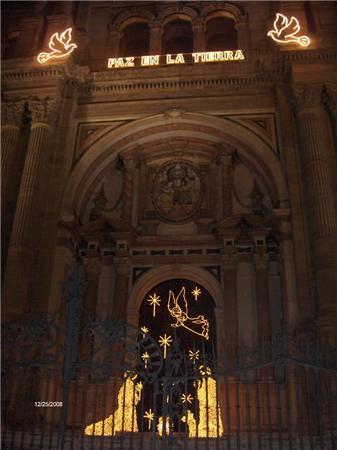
<point>60,46</point>
<point>178,309</point>
<point>176,59</point>
<point>286,31</point>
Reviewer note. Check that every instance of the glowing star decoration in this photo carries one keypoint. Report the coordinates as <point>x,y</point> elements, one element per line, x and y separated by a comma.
<point>165,341</point>
<point>145,330</point>
<point>186,398</point>
<point>196,292</point>
<point>286,31</point>
<point>154,301</point>
<point>145,358</point>
<point>178,309</point>
<point>149,416</point>
<point>193,355</point>
<point>124,419</point>
<point>60,46</point>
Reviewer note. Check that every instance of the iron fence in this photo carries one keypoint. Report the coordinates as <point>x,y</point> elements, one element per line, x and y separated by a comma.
<point>78,381</point>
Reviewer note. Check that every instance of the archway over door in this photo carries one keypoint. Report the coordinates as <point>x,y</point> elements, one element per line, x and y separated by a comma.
<point>194,275</point>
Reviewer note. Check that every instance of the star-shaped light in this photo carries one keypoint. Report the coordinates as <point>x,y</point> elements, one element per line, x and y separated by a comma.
<point>149,416</point>
<point>193,355</point>
<point>154,301</point>
<point>145,358</point>
<point>165,341</point>
<point>145,330</point>
<point>186,398</point>
<point>196,292</point>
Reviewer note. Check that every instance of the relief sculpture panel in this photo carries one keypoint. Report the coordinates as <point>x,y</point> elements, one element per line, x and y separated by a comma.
<point>177,191</point>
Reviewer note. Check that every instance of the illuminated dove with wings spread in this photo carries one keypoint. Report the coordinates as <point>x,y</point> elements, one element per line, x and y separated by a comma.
<point>286,30</point>
<point>178,309</point>
<point>60,46</point>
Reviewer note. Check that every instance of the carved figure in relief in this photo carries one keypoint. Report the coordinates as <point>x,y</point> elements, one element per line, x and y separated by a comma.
<point>177,191</point>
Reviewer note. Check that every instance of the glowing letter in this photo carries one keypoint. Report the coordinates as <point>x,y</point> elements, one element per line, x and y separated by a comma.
<point>238,55</point>
<point>151,60</point>
<point>59,45</point>
<point>286,30</point>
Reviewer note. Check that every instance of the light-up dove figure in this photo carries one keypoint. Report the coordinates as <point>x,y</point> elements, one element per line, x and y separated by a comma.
<point>286,31</point>
<point>178,309</point>
<point>60,46</point>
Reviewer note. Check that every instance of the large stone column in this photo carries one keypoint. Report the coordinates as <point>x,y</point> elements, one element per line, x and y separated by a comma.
<point>199,38</point>
<point>11,122</point>
<point>128,185</point>
<point>246,294</point>
<point>230,264</point>
<point>287,261</point>
<point>113,41</point>
<point>120,299</point>
<point>262,298</point>
<point>315,142</point>
<point>155,38</point>
<point>25,230</point>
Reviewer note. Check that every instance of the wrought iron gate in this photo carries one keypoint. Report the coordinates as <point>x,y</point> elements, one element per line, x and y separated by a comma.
<point>75,381</point>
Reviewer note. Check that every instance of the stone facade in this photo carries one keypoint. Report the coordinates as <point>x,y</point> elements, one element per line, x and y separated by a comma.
<point>223,173</point>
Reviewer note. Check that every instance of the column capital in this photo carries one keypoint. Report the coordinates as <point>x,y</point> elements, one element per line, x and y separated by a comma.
<point>114,30</point>
<point>230,261</point>
<point>261,261</point>
<point>329,97</point>
<point>307,97</point>
<point>92,266</point>
<point>198,23</point>
<point>11,112</point>
<point>42,110</point>
<point>155,25</point>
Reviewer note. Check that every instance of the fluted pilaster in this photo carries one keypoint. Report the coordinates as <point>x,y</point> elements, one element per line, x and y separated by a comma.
<point>315,140</point>
<point>128,185</point>
<point>155,38</point>
<point>262,299</point>
<point>230,264</point>
<point>199,38</point>
<point>26,225</point>
<point>11,121</point>
<point>120,301</point>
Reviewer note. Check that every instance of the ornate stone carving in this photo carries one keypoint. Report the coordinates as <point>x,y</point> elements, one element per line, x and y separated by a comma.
<point>329,97</point>
<point>11,113</point>
<point>177,191</point>
<point>42,110</point>
<point>174,113</point>
<point>100,202</point>
<point>307,97</point>
<point>257,197</point>
<point>261,261</point>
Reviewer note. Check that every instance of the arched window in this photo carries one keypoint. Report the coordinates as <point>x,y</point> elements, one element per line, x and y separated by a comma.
<point>135,40</point>
<point>178,37</point>
<point>221,34</point>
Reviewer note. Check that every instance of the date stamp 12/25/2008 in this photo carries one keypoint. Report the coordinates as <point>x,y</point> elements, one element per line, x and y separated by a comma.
<point>48,404</point>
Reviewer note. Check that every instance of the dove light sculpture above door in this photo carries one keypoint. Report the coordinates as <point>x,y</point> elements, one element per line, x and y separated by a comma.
<point>60,46</point>
<point>287,31</point>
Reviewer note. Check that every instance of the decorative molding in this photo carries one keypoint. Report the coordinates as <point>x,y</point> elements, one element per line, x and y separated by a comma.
<point>307,97</point>
<point>174,113</point>
<point>42,110</point>
<point>11,112</point>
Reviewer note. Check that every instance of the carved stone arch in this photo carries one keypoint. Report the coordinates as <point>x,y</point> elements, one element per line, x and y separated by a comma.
<point>125,140</point>
<point>166,14</point>
<point>171,271</point>
<point>229,10</point>
<point>131,16</point>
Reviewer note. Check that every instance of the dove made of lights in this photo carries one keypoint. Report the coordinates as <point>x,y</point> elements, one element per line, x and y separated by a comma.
<point>60,46</point>
<point>286,31</point>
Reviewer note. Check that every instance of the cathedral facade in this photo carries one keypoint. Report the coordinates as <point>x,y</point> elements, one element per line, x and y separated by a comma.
<point>185,154</point>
